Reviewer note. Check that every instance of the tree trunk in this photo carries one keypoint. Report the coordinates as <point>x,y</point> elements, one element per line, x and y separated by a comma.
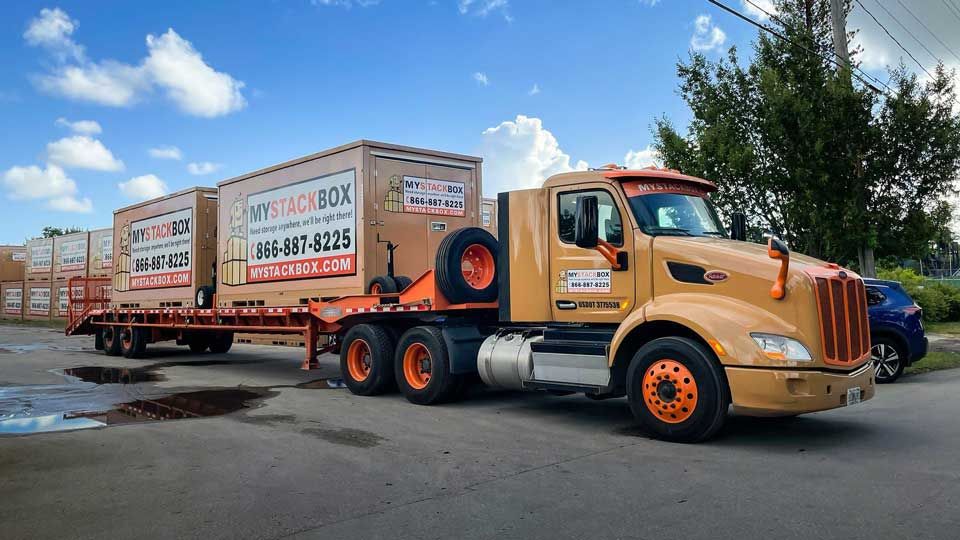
<point>868,267</point>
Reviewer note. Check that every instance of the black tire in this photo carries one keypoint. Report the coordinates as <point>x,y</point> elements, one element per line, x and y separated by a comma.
<point>221,342</point>
<point>889,358</point>
<point>198,343</point>
<point>442,386</point>
<point>98,339</point>
<point>111,340</point>
<point>133,341</point>
<point>450,258</point>
<point>371,357</point>
<point>402,282</point>
<point>204,297</point>
<point>709,390</point>
<point>386,284</point>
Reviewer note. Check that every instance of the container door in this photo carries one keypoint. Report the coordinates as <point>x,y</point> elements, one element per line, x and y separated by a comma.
<point>583,286</point>
<point>405,229</point>
<point>454,209</point>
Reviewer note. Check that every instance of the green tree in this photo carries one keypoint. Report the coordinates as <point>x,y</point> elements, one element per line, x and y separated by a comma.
<point>50,232</point>
<point>831,166</point>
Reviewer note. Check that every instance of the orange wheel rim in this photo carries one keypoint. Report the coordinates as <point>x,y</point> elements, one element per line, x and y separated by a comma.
<point>359,360</point>
<point>126,337</point>
<point>670,391</point>
<point>417,366</point>
<point>376,289</point>
<point>478,266</point>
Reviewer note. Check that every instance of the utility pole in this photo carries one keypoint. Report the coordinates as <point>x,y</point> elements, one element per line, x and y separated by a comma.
<point>838,18</point>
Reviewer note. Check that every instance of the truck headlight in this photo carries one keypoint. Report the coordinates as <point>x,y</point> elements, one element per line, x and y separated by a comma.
<point>781,347</point>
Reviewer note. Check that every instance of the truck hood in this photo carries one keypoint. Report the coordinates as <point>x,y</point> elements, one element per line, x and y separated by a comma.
<point>728,255</point>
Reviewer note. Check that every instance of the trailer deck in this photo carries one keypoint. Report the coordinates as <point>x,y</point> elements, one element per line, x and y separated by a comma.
<point>90,308</point>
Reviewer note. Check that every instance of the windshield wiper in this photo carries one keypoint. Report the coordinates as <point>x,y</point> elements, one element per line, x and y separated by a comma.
<point>667,230</point>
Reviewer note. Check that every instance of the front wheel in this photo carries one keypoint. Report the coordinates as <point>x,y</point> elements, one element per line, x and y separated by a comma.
<point>888,359</point>
<point>676,390</point>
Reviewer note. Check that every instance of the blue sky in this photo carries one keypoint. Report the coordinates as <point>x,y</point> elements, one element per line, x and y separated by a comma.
<point>535,87</point>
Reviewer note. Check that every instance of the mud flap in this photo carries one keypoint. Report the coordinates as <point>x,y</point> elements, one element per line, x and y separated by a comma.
<point>463,345</point>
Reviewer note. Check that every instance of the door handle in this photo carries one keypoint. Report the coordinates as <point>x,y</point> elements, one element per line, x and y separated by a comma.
<point>566,304</point>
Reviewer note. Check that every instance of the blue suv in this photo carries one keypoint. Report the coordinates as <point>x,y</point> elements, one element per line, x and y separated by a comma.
<point>896,331</point>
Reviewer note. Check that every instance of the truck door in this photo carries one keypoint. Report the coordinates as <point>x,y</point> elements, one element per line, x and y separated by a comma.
<point>583,287</point>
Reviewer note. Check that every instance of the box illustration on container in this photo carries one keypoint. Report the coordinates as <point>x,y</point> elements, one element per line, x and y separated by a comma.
<point>12,292</point>
<point>101,253</point>
<point>70,253</point>
<point>37,301</point>
<point>310,227</point>
<point>39,259</point>
<point>166,249</point>
<point>12,262</point>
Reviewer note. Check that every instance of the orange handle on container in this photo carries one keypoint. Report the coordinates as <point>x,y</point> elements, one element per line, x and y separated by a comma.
<point>776,249</point>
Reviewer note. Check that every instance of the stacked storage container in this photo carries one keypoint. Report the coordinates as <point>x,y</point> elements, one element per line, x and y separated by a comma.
<point>70,257</point>
<point>12,263</point>
<point>38,277</point>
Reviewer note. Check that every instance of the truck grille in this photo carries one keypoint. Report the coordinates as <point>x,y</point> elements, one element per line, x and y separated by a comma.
<point>842,305</point>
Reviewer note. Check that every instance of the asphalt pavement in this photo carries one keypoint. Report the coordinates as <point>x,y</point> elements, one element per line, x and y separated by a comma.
<point>270,451</point>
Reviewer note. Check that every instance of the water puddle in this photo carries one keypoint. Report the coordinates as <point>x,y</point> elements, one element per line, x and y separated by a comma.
<point>112,375</point>
<point>177,406</point>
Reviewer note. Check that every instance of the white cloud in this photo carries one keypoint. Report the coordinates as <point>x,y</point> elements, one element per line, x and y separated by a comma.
<point>32,182</point>
<point>190,82</point>
<point>521,154</point>
<point>203,167</point>
<point>758,9</point>
<point>172,65</point>
<point>82,152</point>
<point>706,36</point>
<point>52,30</point>
<point>166,152</point>
<point>141,188</point>
<point>638,159</point>
<point>481,78</point>
<point>107,83</point>
<point>69,203</point>
<point>482,8</point>
<point>534,91</point>
<point>83,127</point>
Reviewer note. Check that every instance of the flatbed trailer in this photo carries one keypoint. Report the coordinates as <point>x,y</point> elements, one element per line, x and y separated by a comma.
<point>420,303</point>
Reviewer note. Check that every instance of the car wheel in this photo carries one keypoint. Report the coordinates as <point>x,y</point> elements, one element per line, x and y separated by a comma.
<point>889,359</point>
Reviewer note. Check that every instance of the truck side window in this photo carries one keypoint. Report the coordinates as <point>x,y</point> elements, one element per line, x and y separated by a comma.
<point>611,226</point>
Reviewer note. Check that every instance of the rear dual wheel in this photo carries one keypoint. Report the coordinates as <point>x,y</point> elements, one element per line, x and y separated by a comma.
<point>366,360</point>
<point>677,390</point>
<point>422,367</point>
<point>133,341</point>
<point>110,335</point>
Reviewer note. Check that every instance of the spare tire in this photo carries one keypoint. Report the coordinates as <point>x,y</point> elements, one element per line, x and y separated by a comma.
<point>382,285</point>
<point>466,266</point>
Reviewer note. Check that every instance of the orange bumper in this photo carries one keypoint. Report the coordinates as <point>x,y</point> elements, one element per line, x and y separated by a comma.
<point>786,392</point>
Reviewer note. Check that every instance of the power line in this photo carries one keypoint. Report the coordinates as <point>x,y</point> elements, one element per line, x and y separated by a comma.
<point>905,29</point>
<point>927,28</point>
<point>951,8</point>
<point>799,46</point>
<point>895,40</point>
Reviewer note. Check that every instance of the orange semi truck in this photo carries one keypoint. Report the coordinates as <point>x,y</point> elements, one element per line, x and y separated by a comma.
<point>607,282</point>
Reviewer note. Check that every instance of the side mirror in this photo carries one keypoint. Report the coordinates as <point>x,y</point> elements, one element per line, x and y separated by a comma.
<point>587,222</point>
<point>738,226</point>
<point>777,249</point>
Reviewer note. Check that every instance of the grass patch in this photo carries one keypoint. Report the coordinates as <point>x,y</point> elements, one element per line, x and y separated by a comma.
<point>935,361</point>
<point>946,328</point>
<point>59,324</point>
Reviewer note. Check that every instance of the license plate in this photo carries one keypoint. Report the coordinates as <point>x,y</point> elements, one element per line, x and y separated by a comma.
<point>853,396</point>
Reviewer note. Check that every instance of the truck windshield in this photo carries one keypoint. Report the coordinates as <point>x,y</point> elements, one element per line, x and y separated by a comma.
<point>676,214</point>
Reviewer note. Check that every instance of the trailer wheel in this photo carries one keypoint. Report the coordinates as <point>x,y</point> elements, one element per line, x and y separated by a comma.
<point>205,297</point>
<point>198,343</point>
<point>466,266</point>
<point>422,367</point>
<point>676,390</point>
<point>133,341</point>
<point>366,360</point>
<point>221,342</point>
<point>402,282</point>
<point>382,285</point>
<point>111,340</point>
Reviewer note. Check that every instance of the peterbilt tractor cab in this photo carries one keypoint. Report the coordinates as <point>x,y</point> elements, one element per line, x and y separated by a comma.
<point>649,298</point>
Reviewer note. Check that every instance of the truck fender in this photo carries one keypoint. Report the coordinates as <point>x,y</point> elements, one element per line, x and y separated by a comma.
<point>716,320</point>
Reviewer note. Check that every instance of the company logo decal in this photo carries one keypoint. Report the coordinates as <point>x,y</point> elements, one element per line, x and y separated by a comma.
<point>715,276</point>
